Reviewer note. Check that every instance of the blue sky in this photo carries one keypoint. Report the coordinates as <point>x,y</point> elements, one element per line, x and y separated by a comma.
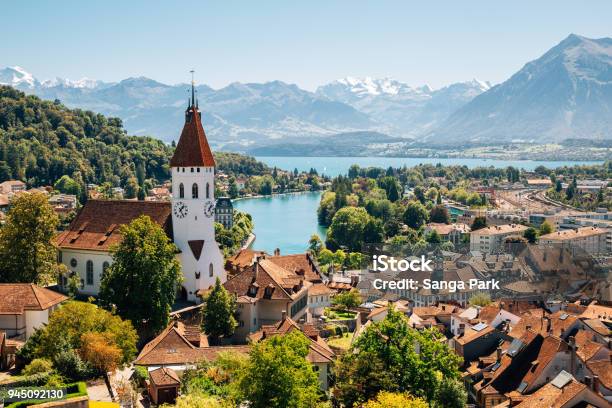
<point>304,42</point>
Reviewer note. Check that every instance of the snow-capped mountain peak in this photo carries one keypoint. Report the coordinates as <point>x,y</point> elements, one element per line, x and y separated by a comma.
<point>374,86</point>
<point>17,77</point>
<point>68,83</point>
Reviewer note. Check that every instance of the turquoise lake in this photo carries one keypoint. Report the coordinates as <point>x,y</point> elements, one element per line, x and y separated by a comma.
<point>283,221</point>
<point>287,221</point>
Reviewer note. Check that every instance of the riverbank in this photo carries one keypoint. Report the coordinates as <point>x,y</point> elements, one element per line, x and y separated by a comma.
<point>276,195</point>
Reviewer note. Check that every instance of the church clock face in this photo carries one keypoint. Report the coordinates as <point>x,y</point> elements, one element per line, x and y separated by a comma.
<point>180,209</point>
<point>209,208</point>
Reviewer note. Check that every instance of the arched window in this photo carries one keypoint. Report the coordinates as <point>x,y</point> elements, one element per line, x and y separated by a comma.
<point>194,191</point>
<point>89,270</point>
<point>210,270</point>
<point>181,191</point>
<point>105,266</point>
<point>207,190</point>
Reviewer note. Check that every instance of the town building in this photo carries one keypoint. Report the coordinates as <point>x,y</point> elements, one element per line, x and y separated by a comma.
<point>593,240</point>
<point>224,212</point>
<point>188,219</point>
<point>25,307</point>
<point>266,290</point>
<point>491,239</point>
<point>449,232</point>
<point>12,187</point>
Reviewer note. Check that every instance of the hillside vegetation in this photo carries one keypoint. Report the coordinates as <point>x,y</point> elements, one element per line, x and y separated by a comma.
<point>40,141</point>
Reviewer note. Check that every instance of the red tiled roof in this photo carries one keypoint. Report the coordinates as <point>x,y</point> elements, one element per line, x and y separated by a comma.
<point>15,298</point>
<point>602,369</point>
<point>192,148</point>
<point>172,347</point>
<point>549,349</point>
<point>164,376</point>
<point>319,351</point>
<point>264,275</point>
<point>96,226</point>
<point>298,263</point>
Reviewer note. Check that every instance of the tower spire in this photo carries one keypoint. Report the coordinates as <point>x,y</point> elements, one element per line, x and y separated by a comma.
<point>192,88</point>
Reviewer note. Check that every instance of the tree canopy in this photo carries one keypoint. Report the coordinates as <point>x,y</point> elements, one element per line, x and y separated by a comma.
<point>143,263</point>
<point>26,252</point>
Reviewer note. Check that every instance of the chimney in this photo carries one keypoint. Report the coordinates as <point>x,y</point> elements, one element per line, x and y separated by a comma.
<point>283,315</point>
<point>499,353</point>
<point>277,252</point>
<point>461,329</point>
<point>595,383</point>
<point>572,346</point>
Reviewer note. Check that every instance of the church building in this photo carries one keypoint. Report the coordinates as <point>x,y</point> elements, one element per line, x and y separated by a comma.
<point>188,219</point>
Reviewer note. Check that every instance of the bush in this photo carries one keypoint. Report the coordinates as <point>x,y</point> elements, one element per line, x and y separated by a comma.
<point>69,364</point>
<point>140,375</point>
<point>37,366</point>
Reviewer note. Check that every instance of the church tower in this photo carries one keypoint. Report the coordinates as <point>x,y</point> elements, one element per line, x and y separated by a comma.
<point>193,206</point>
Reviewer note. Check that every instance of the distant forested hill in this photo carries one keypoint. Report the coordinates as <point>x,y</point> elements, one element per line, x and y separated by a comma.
<point>40,141</point>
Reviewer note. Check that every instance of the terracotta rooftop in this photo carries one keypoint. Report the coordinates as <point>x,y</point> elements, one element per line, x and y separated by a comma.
<point>298,263</point>
<point>500,229</point>
<point>164,376</point>
<point>319,289</point>
<point>243,259</point>
<point>15,298</point>
<point>602,369</point>
<point>266,280</point>
<point>173,347</point>
<point>550,396</point>
<point>319,351</point>
<point>192,149</point>
<point>96,226</point>
<point>570,234</point>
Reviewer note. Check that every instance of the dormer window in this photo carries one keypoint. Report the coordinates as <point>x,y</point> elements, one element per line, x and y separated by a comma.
<point>253,289</point>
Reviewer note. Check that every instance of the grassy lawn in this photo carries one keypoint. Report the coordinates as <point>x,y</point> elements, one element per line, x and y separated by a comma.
<point>343,342</point>
<point>339,314</point>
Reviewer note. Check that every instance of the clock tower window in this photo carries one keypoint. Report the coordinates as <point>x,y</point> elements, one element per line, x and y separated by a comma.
<point>207,190</point>
<point>194,191</point>
<point>181,191</point>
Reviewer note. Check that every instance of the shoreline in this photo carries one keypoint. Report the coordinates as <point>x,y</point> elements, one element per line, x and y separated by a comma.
<point>276,195</point>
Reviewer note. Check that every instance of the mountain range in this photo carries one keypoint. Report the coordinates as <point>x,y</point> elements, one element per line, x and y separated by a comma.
<point>566,93</point>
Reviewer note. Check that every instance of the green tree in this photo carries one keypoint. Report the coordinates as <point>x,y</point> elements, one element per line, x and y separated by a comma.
<point>278,375</point>
<point>131,188</point>
<point>450,393</point>
<point>67,185</point>
<point>347,228</point>
<point>26,252</point>
<point>415,360</point>
<point>546,228</point>
<point>218,316</point>
<point>373,231</point>
<point>433,237</point>
<point>531,235</point>
<point>233,189</point>
<point>315,245</point>
<point>144,262</point>
<point>73,320</point>
<point>347,300</point>
<point>439,214</point>
<point>415,215</point>
<point>479,223</point>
